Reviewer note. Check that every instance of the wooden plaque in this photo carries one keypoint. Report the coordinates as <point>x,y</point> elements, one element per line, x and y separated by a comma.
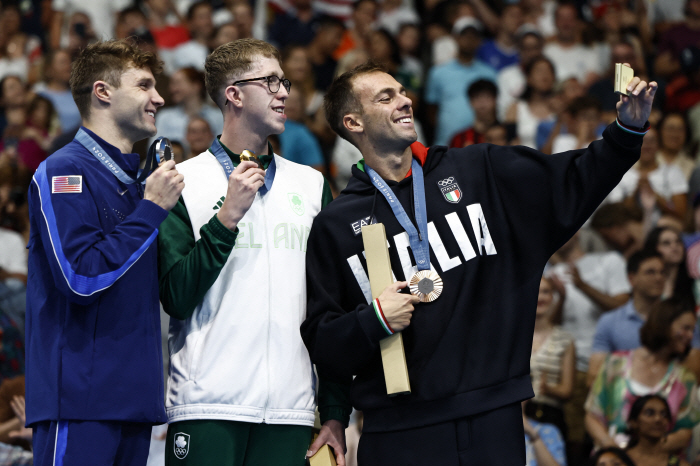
<point>323,457</point>
<point>380,276</point>
<point>623,75</point>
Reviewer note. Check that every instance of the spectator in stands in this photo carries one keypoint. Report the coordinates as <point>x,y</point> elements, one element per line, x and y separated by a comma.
<point>652,368</point>
<point>683,92</point>
<point>585,126</point>
<point>37,133</point>
<point>673,136</point>
<point>654,186</point>
<point>188,95</point>
<point>13,101</point>
<point>356,36</point>
<point>165,23</point>
<point>224,34</point>
<point>498,135</point>
<point>535,104</point>
<point>541,14</point>
<point>648,424</point>
<point>102,15</point>
<point>611,456</point>
<point>618,330</point>
<point>552,363</point>
<point>130,20</point>
<point>544,444</point>
<point>199,136</point>
<point>667,241</point>
<point>501,51</point>
<point>621,227</point>
<point>449,110</point>
<point>10,388</point>
<point>511,79</point>
<point>482,98</point>
<point>393,13</point>
<point>320,50</point>
<point>193,52</point>
<point>56,89</point>
<point>623,51</point>
<point>589,285</point>
<point>244,19</point>
<point>384,49</point>
<point>296,26</point>
<point>409,41</point>
<point>80,33</point>
<point>677,38</point>
<point>18,51</point>
<point>297,143</point>
<point>573,59</point>
<point>297,68</point>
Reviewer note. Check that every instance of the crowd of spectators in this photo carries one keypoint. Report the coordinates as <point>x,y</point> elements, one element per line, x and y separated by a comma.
<point>614,361</point>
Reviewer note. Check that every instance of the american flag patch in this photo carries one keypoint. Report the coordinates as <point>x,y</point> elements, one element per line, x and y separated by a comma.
<point>67,184</point>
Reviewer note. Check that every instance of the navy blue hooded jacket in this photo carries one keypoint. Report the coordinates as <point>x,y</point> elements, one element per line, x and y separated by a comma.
<point>93,325</point>
<point>495,216</point>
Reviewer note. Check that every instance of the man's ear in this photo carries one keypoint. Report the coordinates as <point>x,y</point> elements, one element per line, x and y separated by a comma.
<point>103,91</point>
<point>233,96</point>
<point>353,123</point>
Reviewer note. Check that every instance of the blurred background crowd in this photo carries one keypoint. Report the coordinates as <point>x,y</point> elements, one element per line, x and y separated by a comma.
<point>616,350</point>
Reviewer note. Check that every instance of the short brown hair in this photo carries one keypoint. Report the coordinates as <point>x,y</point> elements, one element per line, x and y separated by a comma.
<point>232,60</point>
<point>655,334</point>
<point>341,98</point>
<point>106,61</point>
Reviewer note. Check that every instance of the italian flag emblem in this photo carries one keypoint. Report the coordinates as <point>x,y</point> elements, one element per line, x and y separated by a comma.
<point>450,190</point>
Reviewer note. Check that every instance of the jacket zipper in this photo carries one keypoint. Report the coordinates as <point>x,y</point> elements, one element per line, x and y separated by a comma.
<point>269,308</point>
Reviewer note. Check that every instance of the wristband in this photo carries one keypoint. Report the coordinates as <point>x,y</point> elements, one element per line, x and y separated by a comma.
<point>629,129</point>
<point>380,316</point>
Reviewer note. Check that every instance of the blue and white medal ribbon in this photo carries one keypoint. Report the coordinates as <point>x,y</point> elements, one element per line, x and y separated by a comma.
<point>100,154</point>
<point>426,284</point>
<point>228,167</point>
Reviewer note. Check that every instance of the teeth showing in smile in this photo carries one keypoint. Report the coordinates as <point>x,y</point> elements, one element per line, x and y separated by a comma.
<point>153,114</point>
<point>279,110</point>
<point>404,120</point>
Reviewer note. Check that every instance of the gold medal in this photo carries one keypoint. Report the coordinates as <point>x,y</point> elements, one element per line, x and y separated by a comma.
<point>427,285</point>
<point>247,155</point>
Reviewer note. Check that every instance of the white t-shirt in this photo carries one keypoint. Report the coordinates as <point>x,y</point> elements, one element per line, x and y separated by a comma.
<point>511,84</point>
<point>603,271</point>
<point>102,15</point>
<point>565,142</point>
<point>667,181</point>
<point>572,62</point>
<point>13,253</point>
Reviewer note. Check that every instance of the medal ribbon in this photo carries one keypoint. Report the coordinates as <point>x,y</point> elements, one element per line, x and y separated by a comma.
<point>228,167</point>
<point>417,238</point>
<point>100,154</point>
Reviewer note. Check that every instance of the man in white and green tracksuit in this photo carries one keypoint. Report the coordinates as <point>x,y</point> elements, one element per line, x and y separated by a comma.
<point>242,389</point>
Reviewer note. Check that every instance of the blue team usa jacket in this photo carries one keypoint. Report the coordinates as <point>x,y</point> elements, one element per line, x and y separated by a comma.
<point>93,331</point>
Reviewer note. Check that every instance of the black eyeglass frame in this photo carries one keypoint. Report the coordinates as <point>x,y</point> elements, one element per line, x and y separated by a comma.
<point>280,82</point>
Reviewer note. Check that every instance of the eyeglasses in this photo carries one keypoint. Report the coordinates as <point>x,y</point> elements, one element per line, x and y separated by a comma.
<point>273,83</point>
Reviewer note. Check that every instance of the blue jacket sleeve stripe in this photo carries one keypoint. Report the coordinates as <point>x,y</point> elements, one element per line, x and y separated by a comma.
<point>79,284</point>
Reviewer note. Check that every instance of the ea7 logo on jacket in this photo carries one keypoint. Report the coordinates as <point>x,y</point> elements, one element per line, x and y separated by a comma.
<point>450,190</point>
<point>478,225</point>
<point>181,445</point>
<point>357,225</point>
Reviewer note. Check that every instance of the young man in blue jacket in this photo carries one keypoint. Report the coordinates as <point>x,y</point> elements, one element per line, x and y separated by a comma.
<point>94,364</point>
<point>473,222</point>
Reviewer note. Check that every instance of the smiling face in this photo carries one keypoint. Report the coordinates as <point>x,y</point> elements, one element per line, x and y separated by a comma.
<point>134,104</point>
<point>264,110</point>
<point>387,118</point>
<point>682,332</point>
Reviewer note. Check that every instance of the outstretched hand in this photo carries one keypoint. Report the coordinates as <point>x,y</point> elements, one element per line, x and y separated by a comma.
<point>634,108</point>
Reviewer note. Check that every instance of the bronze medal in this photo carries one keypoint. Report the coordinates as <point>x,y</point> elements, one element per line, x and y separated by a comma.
<point>247,155</point>
<point>427,285</point>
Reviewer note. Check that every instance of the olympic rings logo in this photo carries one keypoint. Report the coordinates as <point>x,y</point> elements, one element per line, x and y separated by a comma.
<point>447,181</point>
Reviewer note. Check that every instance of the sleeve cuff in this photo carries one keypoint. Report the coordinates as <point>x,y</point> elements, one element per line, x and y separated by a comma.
<point>624,137</point>
<point>372,324</point>
<point>221,232</point>
<point>150,212</point>
<point>336,413</point>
